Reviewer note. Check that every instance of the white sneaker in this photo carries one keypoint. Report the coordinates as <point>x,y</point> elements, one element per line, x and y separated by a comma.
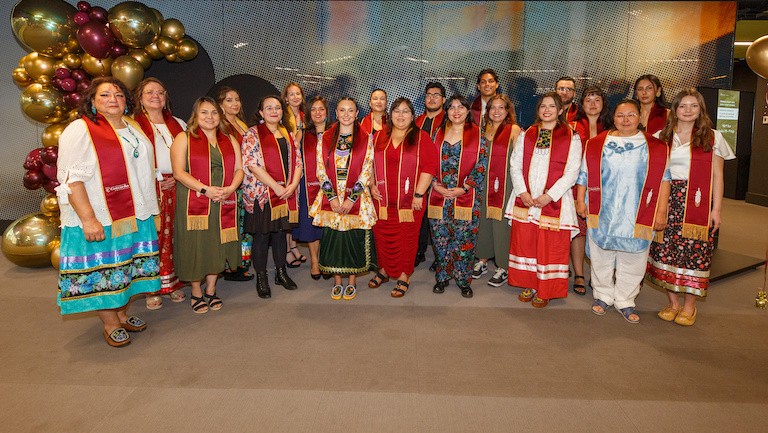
<point>479,270</point>
<point>498,278</point>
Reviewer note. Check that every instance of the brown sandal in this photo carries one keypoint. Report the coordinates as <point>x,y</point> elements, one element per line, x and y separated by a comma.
<point>375,284</point>
<point>398,292</point>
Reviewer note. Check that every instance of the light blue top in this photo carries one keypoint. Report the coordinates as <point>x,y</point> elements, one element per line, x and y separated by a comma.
<point>623,169</point>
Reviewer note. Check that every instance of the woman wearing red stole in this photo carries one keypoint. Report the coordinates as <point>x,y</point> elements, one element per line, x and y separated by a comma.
<point>653,104</point>
<point>274,167</point>
<point>293,95</point>
<point>107,198</point>
<point>544,167</point>
<point>344,208</point>
<point>376,120</point>
<point>310,186</point>
<point>405,161</point>
<point>593,117</point>
<point>154,116</point>
<point>207,164</point>
<point>234,122</point>
<point>454,201</point>
<point>681,262</point>
<point>493,231</point>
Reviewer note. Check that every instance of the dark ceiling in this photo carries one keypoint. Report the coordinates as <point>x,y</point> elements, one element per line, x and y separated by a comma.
<point>752,10</point>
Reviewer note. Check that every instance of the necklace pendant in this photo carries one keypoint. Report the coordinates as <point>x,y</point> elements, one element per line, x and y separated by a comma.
<point>136,153</point>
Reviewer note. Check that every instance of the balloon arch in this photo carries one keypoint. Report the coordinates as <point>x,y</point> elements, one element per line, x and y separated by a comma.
<point>68,47</point>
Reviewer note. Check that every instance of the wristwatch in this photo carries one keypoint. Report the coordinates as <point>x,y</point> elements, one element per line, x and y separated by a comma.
<point>417,195</point>
<point>202,191</point>
<point>465,188</point>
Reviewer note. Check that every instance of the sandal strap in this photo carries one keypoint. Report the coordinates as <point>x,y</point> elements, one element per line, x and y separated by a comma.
<point>403,283</point>
<point>381,276</point>
<point>199,303</point>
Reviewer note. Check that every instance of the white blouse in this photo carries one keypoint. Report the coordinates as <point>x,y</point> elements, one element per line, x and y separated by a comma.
<point>680,155</point>
<point>163,142</point>
<point>77,162</point>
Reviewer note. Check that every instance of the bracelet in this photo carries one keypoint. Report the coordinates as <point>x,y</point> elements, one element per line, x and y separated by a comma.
<point>466,190</point>
<point>202,192</point>
<point>417,195</point>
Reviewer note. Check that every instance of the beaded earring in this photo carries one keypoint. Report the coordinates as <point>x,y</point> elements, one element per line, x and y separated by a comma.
<point>93,109</point>
<point>125,111</point>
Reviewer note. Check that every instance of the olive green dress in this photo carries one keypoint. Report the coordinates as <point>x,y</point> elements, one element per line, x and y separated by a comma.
<point>197,253</point>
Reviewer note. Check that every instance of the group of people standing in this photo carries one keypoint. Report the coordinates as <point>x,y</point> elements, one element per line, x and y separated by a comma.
<point>149,201</point>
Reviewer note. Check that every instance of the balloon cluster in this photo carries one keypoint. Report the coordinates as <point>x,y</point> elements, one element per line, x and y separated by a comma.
<point>41,168</point>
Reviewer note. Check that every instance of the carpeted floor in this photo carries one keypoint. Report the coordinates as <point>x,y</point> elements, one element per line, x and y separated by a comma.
<point>302,362</point>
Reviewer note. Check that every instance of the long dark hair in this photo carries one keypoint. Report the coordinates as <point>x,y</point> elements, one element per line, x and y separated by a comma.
<point>511,116</point>
<point>308,113</point>
<point>337,133</point>
<point>558,102</point>
<point>604,119</point>
<point>257,117</point>
<point>86,108</point>
<point>703,134</point>
<point>463,101</point>
<point>413,130</point>
<point>660,99</point>
<point>220,97</point>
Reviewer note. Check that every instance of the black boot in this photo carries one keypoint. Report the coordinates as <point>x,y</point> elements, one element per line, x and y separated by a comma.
<point>262,285</point>
<point>282,278</point>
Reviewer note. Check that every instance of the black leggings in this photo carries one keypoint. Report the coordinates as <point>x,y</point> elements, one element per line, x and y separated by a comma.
<point>260,249</point>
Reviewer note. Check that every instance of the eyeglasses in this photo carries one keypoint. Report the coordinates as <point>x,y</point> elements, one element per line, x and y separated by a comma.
<point>401,111</point>
<point>433,95</point>
<point>630,116</point>
<point>566,89</point>
<point>155,92</point>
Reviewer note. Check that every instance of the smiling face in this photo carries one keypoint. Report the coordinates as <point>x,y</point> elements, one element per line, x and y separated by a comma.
<point>208,116</point>
<point>689,109</point>
<point>457,113</point>
<point>294,97</point>
<point>231,103</point>
<point>647,92</point>
<point>497,111</point>
<point>593,105</point>
<point>566,89</point>
<point>109,100</point>
<point>627,119</point>
<point>548,112</point>
<point>378,102</point>
<point>153,97</point>
<point>346,112</point>
<point>402,116</point>
<point>271,111</point>
<point>487,86</point>
<point>318,112</point>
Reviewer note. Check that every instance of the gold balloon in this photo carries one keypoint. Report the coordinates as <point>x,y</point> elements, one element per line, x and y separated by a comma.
<point>757,56</point>
<point>50,205</point>
<point>43,103</point>
<point>28,240</point>
<point>158,14</point>
<point>72,60</point>
<point>22,60</point>
<point>166,45</point>
<point>52,133</point>
<point>141,56</point>
<point>44,26</point>
<point>21,77</point>
<point>43,79</point>
<point>96,67</point>
<point>186,49</point>
<point>173,57</point>
<point>59,64</point>
<point>38,65</point>
<point>73,115</point>
<point>173,29</point>
<point>134,24</point>
<point>56,256</point>
<point>128,70</point>
<point>73,46</point>
<point>153,52</point>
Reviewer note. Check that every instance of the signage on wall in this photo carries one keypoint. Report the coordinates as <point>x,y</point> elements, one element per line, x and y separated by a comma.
<point>728,115</point>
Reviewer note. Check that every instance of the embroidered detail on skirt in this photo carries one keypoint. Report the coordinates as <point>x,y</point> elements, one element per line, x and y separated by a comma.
<point>347,252</point>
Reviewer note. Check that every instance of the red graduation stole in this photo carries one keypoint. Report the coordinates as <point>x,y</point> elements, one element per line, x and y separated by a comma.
<point>354,165</point>
<point>198,205</point>
<point>558,157</point>
<point>273,164</point>
<point>149,130</point>
<point>470,153</point>
<point>573,110</point>
<point>366,124</point>
<point>436,122</point>
<point>657,119</point>
<point>309,157</point>
<point>581,127</point>
<point>407,173</point>
<point>292,126</point>
<point>234,132</point>
<point>498,170</point>
<point>114,175</point>
<point>658,152</point>
<point>698,198</point>
<point>476,109</point>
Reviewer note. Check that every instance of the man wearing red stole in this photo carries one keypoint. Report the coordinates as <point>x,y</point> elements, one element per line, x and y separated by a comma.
<point>566,89</point>
<point>622,190</point>
<point>487,85</point>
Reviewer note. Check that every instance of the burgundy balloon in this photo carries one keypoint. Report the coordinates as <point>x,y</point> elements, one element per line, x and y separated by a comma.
<point>33,162</point>
<point>73,99</point>
<point>81,86</point>
<point>50,185</point>
<point>81,18</point>
<point>49,155</point>
<point>35,154</point>
<point>83,6</point>
<point>78,74</point>
<point>98,13</point>
<point>56,82</point>
<point>62,73</point>
<point>34,179</point>
<point>49,171</point>
<point>118,50</point>
<point>68,85</point>
<point>96,39</point>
